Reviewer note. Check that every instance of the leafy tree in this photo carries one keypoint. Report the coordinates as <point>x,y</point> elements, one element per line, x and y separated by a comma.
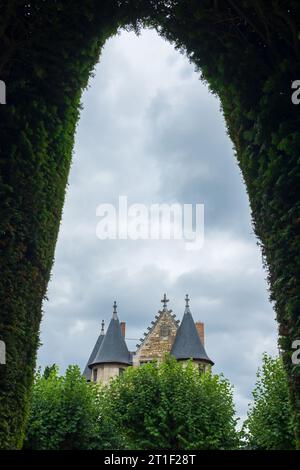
<point>68,413</point>
<point>169,406</point>
<point>270,424</point>
<point>49,369</point>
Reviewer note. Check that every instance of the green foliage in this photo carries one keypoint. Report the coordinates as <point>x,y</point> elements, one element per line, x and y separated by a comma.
<point>247,51</point>
<point>67,413</point>
<point>169,406</point>
<point>46,65</point>
<point>165,406</point>
<point>269,425</point>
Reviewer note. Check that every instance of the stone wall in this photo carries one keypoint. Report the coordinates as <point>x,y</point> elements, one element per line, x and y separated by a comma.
<point>106,372</point>
<point>198,364</point>
<point>159,340</point>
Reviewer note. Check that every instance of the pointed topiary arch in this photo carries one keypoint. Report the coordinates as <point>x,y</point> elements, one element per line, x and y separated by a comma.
<point>247,51</point>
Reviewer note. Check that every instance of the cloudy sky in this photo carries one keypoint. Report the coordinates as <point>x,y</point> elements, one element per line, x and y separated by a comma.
<point>150,130</point>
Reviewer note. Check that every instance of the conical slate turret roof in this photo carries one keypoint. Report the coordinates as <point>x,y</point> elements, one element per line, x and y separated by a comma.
<point>113,347</point>
<point>88,371</point>
<point>187,343</point>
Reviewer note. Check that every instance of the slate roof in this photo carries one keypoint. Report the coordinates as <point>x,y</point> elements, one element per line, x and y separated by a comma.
<point>88,371</point>
<point>113,347</point>
<point>187,343</point>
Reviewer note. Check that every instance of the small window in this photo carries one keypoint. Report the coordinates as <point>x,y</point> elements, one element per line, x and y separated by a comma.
<point>121,370</point>
<point>95,374</point>
<point>201,368</point>
<point>164,331</point>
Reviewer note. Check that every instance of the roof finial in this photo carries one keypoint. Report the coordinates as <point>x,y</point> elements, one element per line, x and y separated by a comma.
<point>164,302</point>
<point>102,327</point>
<point>115,315</point>
<point>187,299</point>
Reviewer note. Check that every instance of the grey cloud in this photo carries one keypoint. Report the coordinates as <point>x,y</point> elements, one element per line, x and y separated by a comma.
<point>152,131</point>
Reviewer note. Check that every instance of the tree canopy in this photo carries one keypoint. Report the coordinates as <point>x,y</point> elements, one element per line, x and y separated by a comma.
<point>270,424</point>
<point>155,406</point>
<point>171,406</point>
<point>67,413</point>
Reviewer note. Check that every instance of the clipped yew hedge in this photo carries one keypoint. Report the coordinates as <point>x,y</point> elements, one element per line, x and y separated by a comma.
<point>247,51</point>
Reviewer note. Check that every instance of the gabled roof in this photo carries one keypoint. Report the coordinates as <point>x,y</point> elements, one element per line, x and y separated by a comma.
<point>187,343</point>
<point>87,371</point>
<point>113,347</point>
<point>157,318</point>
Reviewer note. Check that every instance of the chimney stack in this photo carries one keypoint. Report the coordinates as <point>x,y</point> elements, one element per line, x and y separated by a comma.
<point>200,329</point>
<point>123,328</point>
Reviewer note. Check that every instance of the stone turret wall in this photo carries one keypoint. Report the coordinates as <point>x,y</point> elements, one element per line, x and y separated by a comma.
<point>198,364</point>
<point>106,372</point>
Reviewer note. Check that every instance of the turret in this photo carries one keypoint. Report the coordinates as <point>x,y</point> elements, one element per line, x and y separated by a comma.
<point>187,344</point>
<point>113,356</point>
<point>87,371</point>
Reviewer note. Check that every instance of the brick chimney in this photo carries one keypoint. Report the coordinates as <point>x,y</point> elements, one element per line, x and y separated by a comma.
<point>123,328</point>
<point>200,329</point>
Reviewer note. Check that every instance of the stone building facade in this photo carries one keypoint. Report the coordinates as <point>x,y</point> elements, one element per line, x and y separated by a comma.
<point>158,339</point>
<point>166,335</point>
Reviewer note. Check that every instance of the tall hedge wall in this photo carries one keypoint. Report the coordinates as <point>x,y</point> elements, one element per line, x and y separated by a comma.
<point>248,51</point>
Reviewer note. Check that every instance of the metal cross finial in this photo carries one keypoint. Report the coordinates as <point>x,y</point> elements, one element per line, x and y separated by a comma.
<point>102,327</point>
<point>165,301</point>
<point>187,299</point>
<point>115,315</point>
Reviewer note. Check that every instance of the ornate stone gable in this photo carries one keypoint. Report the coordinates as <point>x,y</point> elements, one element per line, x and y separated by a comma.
<point>159,338</point>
